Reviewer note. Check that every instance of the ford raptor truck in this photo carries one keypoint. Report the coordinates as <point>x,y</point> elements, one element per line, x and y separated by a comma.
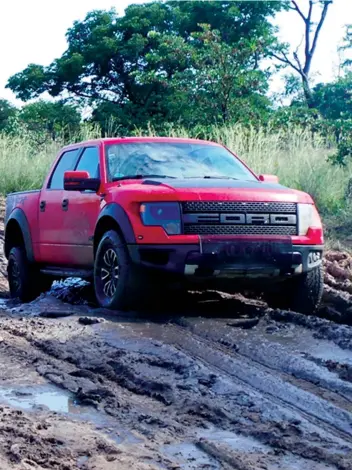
<point>131,213</point>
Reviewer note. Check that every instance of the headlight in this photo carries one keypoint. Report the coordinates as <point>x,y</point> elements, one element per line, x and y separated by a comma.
<point>162,214</point>
<point>307,217</point>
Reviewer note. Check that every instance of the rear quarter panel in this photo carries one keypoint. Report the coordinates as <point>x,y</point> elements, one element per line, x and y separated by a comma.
<point>28,203</point>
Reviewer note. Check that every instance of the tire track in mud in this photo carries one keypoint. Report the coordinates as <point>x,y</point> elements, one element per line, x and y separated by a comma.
<point>128,367</point>
<point>251,411</point>
<point>72,359</point>
<point>299,371</point>
<point>236,366</point>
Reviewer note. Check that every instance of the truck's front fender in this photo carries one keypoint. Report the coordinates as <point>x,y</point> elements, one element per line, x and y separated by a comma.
<point>15,221</point>
<point>116,213</point>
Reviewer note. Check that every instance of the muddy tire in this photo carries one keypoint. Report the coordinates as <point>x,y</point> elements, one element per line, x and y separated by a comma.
<point>118,283</point>
<point>302,294</point>
<point>26,283</point>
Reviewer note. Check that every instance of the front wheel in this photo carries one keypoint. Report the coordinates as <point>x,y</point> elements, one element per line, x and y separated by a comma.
<point>302,294</point>
<point>118,283</point>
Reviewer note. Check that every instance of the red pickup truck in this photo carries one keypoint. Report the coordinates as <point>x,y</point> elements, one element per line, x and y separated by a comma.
<point>128,213</point>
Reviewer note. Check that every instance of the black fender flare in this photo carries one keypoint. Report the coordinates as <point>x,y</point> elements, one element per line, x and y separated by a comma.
<point>119,215</point>
<point>20,217</point>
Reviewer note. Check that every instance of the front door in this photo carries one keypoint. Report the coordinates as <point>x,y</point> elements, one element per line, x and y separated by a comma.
<point>81,214</point>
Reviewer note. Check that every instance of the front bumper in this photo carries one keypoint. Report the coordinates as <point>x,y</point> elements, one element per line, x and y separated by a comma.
<point>230,258</point>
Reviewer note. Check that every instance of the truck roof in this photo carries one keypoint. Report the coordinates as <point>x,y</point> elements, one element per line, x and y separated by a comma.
<point>121,140</point>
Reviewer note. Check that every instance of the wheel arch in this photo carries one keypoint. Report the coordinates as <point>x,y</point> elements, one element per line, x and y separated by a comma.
<point>113,217</point>
<point>17,233</point>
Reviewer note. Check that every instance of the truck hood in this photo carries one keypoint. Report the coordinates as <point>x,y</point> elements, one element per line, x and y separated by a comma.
<point>203,189</point>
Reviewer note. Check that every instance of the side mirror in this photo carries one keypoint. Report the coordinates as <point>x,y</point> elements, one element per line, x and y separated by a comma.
<point>269,178</point>
<point>80,181</point>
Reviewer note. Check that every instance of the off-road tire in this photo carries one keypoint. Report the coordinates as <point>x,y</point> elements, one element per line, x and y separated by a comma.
<point>301,294</point>
<point>132,283</point>
<point>26,283</point>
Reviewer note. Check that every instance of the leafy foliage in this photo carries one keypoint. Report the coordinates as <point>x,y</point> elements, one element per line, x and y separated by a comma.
<point>334,100</point>
<point>7,112</point>
<point>49,119</point>
<point>302,64</point>
<point>347,46</point>
<point>163,62</point>
<point>198,64</point>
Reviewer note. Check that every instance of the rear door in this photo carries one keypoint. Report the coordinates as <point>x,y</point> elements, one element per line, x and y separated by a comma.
<point>51,211</point>
<point>82,212</point>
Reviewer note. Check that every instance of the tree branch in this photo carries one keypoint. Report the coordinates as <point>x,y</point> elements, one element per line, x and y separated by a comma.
<point>308,22</point>
<point>286,60</point>
<point>295,55</point>
<point>320,25</point>
<point>297,9</point>
<point>93,95</point>
<point>309,46</point>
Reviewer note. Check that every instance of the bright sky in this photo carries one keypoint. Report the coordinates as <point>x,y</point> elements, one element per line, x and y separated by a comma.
<point>33,31</point>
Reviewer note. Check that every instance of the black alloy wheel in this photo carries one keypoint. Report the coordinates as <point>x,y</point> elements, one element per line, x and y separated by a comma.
<point>109,272</point>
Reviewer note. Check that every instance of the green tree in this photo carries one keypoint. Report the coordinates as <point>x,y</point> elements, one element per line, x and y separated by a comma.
<point>223,83</point>
<point>334,100</point>
<point>347,46</point>
<point>45,118</point>
<point>302,65</point>
<point>7,112</point>
<point>142,67</point>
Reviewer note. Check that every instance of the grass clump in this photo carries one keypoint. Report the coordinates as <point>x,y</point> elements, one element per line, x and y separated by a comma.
<point>25,158</point>
<point>24,165</point>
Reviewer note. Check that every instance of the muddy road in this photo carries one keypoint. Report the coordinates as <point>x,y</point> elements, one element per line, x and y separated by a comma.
<point>218,382</point>
<point>228,384</point>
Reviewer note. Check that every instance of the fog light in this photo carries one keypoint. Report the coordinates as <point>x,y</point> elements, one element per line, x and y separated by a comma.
<point>172,228</point>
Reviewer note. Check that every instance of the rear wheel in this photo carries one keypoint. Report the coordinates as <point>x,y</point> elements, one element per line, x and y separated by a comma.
<point>118,283</point>
<point>302,294</point>
<point>25,280</point>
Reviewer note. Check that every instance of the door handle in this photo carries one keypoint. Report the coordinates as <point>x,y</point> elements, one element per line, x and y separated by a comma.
<point>42,206</point>
<point>64,204</point>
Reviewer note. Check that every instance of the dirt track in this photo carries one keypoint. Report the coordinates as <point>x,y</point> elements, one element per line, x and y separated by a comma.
<point>221,383</point>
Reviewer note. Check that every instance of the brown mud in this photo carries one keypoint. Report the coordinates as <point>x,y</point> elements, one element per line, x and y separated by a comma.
<point>216,382</point>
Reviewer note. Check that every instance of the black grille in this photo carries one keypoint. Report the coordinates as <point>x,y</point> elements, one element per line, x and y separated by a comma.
<point>239,230</point>
<point>243,207</point>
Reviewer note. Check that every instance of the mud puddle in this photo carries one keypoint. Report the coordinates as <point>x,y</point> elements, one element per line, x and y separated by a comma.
<point>191,457</point>
<point>46,397</point>
<point>52,398</point>
<point>303,341</point>
<point>240,449</point>
<point>233,440</point>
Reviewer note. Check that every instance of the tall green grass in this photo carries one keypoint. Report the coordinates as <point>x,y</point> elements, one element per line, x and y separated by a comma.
<point>22,164</point>
<point>297,156</point>
<point>25,159</point>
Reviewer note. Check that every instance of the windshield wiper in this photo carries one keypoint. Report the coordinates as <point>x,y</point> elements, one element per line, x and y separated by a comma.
<point>213,177</point>
<point>140,177</point>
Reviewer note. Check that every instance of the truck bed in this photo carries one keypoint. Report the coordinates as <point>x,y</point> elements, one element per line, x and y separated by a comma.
<point>26,206</point>
<point>25,200</point>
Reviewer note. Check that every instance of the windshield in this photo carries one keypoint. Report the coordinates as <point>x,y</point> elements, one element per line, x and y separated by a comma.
<point>174,160</point>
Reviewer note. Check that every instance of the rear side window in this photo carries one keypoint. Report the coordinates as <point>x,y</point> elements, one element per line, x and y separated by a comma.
<point>67,162</point>
<point>89,161</point>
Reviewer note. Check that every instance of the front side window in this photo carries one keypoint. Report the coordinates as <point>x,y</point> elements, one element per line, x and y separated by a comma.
<point>89,161</point>
<point>67,162</point>
<point>175,160</point>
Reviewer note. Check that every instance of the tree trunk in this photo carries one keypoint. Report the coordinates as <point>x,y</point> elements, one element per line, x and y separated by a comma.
<point>307,92</point>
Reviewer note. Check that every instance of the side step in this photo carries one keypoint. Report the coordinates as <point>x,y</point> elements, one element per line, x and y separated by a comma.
<point>67,272</point>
